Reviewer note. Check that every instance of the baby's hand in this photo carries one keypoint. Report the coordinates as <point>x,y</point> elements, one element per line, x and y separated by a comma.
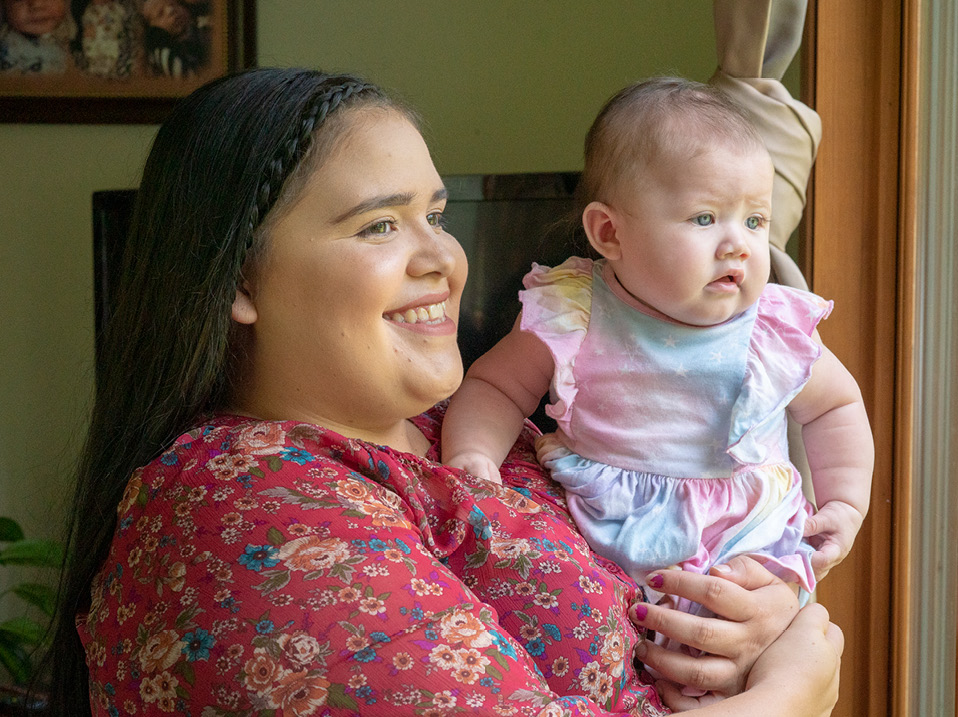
<point>832,531</point>
<point>548,446</point>
<point>477,464</point>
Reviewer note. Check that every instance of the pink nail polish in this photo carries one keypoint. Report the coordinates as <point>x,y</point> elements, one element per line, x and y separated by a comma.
<point>656,581</point>
<point>640,612</point>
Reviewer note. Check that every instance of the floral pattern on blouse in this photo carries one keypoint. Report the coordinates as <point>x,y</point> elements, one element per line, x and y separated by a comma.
<point>261,569</point>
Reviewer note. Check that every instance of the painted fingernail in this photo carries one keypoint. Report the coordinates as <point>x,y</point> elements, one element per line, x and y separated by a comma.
<point>656,581</point>
<point>639,612</point>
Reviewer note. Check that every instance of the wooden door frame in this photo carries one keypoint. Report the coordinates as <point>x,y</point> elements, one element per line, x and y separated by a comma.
<point>859,73</point>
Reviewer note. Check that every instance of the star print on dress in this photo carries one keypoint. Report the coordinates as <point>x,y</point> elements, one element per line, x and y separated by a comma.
<point>692,446</point>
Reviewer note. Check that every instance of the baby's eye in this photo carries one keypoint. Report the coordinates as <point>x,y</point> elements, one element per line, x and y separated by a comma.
<point>436,219</point>
<point>377,230</point>
<point>703,220</point>
<point>755,222</point>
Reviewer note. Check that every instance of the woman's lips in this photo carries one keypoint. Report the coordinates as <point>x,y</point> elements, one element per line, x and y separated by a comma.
<point>424,319</point>
<point>427,314</point>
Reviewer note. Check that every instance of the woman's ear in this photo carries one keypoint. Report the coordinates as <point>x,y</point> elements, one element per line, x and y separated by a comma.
<point>243,310</point>
<point>601,226</point>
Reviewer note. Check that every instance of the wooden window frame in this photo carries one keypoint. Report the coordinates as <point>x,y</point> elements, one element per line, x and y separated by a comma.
<point>859,72</point>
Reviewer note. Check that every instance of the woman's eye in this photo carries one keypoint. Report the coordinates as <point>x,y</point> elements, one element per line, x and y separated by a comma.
<point>755,222</point>
<point>376,230</point>
<point>703,220</point>
<point>436,219</point>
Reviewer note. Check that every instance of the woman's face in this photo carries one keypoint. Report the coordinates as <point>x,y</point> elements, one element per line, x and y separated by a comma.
<point>356,299</point>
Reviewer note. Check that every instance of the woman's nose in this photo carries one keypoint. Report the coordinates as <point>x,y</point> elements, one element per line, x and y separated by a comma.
<point>436,253</point>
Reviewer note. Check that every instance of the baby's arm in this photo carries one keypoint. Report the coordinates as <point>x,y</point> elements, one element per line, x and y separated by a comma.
<point>841,456</point>
<point>485,415</point>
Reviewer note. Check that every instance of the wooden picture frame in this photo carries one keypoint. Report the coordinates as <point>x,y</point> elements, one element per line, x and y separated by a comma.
<point>116,61</point>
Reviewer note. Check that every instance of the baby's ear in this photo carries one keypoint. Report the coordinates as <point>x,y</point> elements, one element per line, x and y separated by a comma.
<point>600,222</point>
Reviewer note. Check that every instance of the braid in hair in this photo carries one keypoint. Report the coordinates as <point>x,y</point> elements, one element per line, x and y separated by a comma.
<point>292,151</point>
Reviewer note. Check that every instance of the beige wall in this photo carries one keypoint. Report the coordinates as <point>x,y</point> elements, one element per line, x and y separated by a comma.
<point>504,86</point>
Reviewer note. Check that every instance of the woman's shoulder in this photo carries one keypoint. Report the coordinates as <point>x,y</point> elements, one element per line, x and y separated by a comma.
<point>228,454</point>
<point>227,444</point>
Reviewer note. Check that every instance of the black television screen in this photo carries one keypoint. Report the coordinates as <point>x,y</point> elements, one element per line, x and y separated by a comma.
<point>112,211</point>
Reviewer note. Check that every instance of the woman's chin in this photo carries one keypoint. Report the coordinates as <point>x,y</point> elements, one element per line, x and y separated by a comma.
<point>441,387</point>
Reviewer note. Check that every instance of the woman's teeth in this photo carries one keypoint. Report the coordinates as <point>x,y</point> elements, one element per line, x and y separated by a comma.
<point>421,314</point>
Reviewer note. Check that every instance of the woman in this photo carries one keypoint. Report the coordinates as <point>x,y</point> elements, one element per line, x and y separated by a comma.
<point>286,541</point>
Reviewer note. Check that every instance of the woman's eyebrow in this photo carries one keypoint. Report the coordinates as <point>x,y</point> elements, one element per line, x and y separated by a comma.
<point>388,200</point>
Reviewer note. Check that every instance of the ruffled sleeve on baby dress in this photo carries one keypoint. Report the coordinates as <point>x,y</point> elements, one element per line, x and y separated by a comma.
<point>556,305</point>
<point>780,358</point>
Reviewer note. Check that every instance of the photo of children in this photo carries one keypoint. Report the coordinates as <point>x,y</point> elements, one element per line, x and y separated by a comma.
<point>121,41</point>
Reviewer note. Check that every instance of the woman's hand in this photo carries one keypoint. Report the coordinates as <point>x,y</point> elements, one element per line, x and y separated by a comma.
<point>797,675</point>
<point>753,607</point>
<point>803,664</point>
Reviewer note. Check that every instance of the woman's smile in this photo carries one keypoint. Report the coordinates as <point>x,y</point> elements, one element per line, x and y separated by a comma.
<point>426,315</point>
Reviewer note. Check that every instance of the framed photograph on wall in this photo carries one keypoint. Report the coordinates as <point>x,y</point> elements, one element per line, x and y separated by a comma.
<point>115,61</point>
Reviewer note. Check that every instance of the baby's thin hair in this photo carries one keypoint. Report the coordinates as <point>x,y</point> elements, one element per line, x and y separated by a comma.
<point>659,119</point>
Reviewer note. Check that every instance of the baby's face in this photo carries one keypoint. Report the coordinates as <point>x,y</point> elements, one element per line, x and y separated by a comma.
<point>694,234</point>
<point>169,15</point>
<point>34,17</point>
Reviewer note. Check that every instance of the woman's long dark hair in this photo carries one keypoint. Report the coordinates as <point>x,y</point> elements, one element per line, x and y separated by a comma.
<point>217,167</point>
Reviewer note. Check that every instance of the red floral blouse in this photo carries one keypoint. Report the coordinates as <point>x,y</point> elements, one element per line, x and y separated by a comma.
<point>277,568</point>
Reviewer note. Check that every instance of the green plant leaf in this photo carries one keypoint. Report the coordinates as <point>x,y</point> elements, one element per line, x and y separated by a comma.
<point>40,553</point>
<point>10,530</point>
<point>23,630</point>
<point>16,661</point>
<point>42,596</point>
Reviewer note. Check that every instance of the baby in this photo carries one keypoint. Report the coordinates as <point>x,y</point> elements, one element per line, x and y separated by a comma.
<point>111,38</point>
<point>671,363</point>
<point>177,41</point>
<point>34,36</point>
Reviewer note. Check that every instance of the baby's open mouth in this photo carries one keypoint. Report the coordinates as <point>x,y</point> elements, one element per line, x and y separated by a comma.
<point>732,279</point>
<point>429,314</point>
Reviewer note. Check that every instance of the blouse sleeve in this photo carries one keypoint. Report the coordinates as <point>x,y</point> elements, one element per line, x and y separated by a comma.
<point>267,569</point>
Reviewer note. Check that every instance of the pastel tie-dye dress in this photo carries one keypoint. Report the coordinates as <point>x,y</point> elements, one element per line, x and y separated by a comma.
<point>671,440</point>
